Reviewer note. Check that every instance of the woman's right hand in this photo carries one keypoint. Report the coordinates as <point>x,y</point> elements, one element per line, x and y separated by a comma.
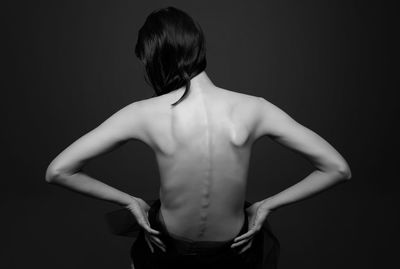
<point>140,209</point>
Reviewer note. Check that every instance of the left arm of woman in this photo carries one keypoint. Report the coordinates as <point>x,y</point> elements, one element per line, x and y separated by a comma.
<point>66,168</point>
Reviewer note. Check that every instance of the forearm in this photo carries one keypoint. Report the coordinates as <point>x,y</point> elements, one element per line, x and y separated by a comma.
<point>82,183</point>
<point>314,183</point>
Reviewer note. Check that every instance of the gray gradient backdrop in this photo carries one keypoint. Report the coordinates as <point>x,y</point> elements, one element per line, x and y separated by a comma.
<point>70,65</point>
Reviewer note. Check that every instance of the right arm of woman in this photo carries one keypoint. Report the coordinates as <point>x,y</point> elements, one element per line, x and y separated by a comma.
<point>331,167</point>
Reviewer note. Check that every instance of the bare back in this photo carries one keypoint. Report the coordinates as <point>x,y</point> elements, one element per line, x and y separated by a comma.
<point>202,147</point>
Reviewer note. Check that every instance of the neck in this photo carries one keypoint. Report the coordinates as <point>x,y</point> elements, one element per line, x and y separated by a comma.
<point>200,81</point>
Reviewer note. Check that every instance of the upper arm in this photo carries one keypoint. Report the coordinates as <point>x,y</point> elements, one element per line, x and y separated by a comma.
<point>125,124</point>
<point>282,128</point>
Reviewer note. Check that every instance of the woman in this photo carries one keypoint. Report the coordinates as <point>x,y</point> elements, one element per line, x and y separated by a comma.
<point>202,137</point>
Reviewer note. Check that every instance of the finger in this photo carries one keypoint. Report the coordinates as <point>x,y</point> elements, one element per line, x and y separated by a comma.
<point>244,241</point>
<point>149,244</point>
<point>163,248</point>
<point>245,235</point>
<point>246,247</point>
<point>157,240</point>
<point>149,229</point>
<point>158,243</point>
<point>152,231</point>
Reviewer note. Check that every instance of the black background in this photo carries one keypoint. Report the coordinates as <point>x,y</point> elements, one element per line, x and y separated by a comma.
<point>70,64</point>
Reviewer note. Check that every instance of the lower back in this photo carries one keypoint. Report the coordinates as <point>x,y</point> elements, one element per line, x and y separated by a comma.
<point>192,211</point>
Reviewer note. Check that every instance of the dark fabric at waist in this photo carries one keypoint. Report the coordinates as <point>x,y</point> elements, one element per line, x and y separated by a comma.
<point>186,253</point>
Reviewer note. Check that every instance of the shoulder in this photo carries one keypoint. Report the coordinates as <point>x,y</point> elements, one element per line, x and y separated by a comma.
<point>247,104</point>
<point>129,121</point>
<point>123,123</point>
<point>130,112</point>
<point>262,115</point>
<point>270,111</point>
<point>273,120</point>
<point>149,112</point>
<point>140,109</point>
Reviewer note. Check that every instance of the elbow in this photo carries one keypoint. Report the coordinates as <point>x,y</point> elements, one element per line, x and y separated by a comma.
<point>340,172</point>
<point>345,172</point>
<point>51,175</point>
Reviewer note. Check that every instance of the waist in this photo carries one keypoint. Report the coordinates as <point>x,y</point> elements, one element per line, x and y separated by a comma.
<point>204,227</point>
<point>189,246</point>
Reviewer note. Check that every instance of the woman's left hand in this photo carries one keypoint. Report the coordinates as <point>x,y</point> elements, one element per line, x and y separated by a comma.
<point>257,213</point>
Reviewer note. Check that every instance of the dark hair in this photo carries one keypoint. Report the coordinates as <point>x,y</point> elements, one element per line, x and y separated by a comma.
<point>171,45</point>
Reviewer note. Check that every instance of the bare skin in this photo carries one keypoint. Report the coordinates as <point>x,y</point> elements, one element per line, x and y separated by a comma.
<point>202,147</point>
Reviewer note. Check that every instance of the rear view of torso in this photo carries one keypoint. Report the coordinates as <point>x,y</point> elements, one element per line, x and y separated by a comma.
<point>202,147</point>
